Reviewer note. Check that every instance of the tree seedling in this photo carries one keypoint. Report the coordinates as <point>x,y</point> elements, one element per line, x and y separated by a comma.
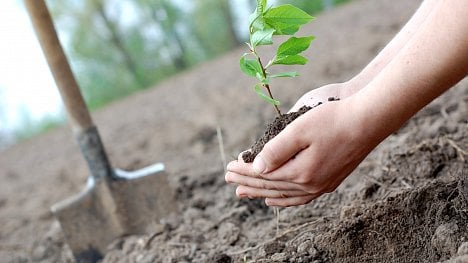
<point>265,23</point>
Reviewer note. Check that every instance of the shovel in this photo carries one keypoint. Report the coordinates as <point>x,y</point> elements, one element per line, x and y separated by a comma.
<point>114,202</point>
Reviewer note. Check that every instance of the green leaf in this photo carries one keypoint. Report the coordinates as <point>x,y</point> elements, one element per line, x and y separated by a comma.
<point>261,94</point>
<point>294,46</point>
<point>290,60</point>
<point>285,29</point>
<point>256,22</point>
<point>250,66</point>
<point>286,16</point>
<point>291,74</point>
<point>263,37</point>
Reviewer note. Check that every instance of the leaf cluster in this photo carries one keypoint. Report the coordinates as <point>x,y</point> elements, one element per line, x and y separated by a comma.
<point>266,22</point>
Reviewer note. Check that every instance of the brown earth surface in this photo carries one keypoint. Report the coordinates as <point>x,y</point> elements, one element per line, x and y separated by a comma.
<point>407,202</point>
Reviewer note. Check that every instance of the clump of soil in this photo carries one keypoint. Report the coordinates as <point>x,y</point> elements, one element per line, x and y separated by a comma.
<point>274,128</point>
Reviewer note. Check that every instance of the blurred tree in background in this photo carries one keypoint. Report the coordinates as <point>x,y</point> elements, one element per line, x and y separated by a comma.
<point>119,46</point>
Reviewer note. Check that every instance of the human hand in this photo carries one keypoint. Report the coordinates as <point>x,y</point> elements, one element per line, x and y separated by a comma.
<point>324,93</point>
<point>310,157</point>
<point>314,153</point>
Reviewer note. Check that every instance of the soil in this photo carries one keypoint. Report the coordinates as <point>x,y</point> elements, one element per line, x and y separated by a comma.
<point>406,202</point>
<point>271,130</point>
<point>274,128</point>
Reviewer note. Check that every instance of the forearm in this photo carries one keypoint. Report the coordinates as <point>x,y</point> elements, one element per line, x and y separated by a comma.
<point>392,48</point>
<point>432,61</point>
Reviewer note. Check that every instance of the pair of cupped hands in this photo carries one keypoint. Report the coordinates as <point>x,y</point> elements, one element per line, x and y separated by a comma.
<point>311,156</point>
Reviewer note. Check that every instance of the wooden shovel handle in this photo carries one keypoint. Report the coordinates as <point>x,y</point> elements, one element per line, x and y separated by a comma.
<point>79,116</point>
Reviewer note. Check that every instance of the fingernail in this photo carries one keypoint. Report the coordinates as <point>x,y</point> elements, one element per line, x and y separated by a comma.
<point>259,165</point>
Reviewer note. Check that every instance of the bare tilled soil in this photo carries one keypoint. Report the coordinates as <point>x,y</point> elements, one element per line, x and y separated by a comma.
<point>407,202</point>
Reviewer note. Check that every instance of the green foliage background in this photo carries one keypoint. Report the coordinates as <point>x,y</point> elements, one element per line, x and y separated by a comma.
<point>117,47</point>
<point>114,55</point>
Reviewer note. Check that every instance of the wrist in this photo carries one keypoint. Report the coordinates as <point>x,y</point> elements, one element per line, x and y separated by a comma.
<point>371,117</point>
<point>351,87</point>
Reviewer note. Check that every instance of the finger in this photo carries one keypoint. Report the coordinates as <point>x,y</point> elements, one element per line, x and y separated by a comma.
<point>280,149</point>
<point>240,167</point>
<point>306,101</point>
<point>299,171</point>
<point>291,201</point>
<point>289,171</point>
<point>239,157</point>
<point>311,99</point>
<point>259,183</point>
<point>247,191</point>
<point>299,104</point>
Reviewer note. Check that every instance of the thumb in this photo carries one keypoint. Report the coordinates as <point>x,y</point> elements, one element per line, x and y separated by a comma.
<point>279,150</point>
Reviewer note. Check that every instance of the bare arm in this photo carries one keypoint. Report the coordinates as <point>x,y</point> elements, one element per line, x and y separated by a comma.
<point>430,62</point>
<point>348,88</point>
<point>392,48</point>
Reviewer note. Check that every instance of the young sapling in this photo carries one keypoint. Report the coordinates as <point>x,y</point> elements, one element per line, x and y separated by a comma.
<point>265,23</point>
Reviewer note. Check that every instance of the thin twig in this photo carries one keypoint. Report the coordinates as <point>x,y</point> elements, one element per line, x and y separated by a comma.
<point>277,212</point>
<point>278,111</point>
<point>221,147</point>
<point>267,87</point>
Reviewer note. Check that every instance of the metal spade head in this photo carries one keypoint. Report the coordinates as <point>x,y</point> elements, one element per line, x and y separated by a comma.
<point>108,209</point>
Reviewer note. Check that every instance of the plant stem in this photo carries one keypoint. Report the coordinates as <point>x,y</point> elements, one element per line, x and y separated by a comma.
<point>271,96</point>
<point>267,87</point>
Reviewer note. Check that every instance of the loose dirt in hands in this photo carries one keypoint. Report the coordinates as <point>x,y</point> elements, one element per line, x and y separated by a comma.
<point>274,128</point>
<point>407,202</point>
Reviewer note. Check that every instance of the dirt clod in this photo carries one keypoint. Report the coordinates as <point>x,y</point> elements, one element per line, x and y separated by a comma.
<point>272,129</point>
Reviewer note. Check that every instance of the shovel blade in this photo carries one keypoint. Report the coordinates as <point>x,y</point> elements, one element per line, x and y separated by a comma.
<point>108,209</point>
